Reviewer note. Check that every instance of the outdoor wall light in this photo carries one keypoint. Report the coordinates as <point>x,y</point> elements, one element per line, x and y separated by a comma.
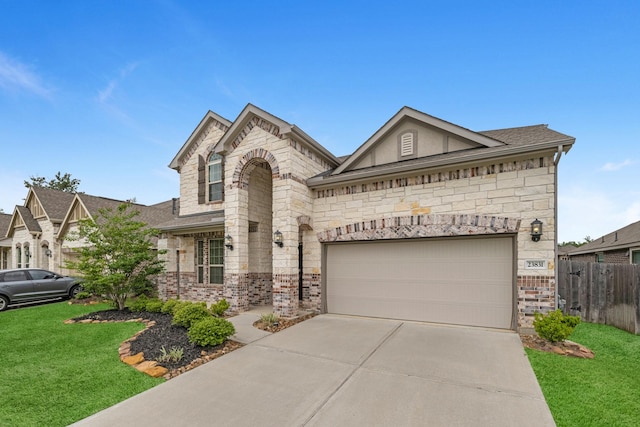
<point>536,230</point>
<point>48,253</point>
<point>228,242</point>
<point>277,238</point>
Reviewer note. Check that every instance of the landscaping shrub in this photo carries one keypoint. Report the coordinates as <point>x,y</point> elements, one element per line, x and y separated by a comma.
<point>189,313</point>
<point>219,308</point>
<point>169,306</point>
<point>210,331</point>
<point>83,295</point>
<point>269,318</point>
<point>555,326</point>
<point>154,305</point>
<point>139,304</point>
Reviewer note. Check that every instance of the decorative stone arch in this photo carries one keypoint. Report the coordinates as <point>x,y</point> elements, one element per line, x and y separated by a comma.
<point>415,226</point>
<point>248,162</point>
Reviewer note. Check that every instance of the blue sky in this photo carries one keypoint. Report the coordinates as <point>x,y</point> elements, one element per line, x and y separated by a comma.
<point>110,90</point>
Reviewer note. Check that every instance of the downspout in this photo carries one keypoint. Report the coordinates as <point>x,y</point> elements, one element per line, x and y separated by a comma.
<point>556,161</point>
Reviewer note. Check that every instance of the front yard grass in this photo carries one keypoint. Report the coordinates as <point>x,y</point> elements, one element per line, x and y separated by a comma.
<point>598,392</point>
<point>54,374</point>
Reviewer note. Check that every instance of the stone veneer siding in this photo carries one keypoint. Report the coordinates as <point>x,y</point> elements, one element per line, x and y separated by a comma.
<point>491,199</point>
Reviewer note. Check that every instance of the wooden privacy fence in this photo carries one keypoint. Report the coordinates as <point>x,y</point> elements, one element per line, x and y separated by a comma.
<point>601,293</point>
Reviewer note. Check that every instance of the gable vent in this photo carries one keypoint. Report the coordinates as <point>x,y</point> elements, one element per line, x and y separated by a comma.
<point>406,144</point>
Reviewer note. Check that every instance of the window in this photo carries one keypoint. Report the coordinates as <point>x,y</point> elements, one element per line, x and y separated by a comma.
<point>200,260</point>
<point>19,256</point>
<point>600,257</point>
<point>216,261</point>
<point>215,177</point>
<point>27,255</point>
<point>635,257</point>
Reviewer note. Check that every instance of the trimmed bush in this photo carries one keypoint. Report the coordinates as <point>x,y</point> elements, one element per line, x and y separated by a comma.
<point>210,331</point>
<point>154,305</point>
<point>189,313</point>
<point>169,305</point>
<point>139,304</point>
<point>83,295</point>
<point>555,326</point>
<point>219,308</point>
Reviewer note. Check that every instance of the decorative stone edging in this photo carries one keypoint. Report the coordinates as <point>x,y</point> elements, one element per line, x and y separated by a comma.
<point>151,367</point>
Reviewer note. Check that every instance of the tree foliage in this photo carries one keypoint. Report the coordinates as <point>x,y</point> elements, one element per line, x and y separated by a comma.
<point>118,258</point>
<point>60,182</point>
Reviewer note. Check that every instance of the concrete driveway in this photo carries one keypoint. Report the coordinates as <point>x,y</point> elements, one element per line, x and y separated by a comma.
<point>351,371</point>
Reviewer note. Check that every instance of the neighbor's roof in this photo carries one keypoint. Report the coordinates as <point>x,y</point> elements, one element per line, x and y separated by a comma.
<point>5,220</point>
<point>55,203</point>
<point>625,237</point>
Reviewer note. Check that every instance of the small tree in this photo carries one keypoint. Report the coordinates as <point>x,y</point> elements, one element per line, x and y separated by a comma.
<point>119,258</point>
<point>60,182</point>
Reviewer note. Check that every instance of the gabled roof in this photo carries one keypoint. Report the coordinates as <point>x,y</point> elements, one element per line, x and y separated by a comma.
<point>55,203</point>
<point>251,112</point>
<point>404,113</point>
<point>623,238</point>
<point>491,144</point>
<point>208,119</point>
<point>151,215</point>
<point>28,220</point>
<point>5,220</point>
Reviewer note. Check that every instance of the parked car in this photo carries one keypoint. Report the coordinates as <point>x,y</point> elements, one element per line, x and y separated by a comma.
<point>34,284</point>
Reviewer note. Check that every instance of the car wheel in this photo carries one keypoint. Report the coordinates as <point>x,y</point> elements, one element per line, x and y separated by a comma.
<point>4,303</point>
<point>75,291</point>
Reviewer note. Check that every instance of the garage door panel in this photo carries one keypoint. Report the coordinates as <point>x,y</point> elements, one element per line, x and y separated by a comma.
<point>459,281</point>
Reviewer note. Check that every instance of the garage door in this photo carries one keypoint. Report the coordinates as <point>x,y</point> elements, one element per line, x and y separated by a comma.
<point>460,281</point>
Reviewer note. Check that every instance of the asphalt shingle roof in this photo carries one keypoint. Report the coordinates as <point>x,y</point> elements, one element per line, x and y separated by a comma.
<point>628,236</point>
<point>54,202</point>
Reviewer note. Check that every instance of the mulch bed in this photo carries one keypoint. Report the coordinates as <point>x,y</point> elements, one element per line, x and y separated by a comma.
<point>564,348</point>
<point>281,323</point>
<point>163,334</point>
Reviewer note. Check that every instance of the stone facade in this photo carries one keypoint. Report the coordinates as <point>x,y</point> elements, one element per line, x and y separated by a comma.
<point>273,181</point>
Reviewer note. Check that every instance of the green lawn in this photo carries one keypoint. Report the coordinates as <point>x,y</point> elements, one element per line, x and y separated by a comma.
<point>54,374</point>
<point>604,391</point>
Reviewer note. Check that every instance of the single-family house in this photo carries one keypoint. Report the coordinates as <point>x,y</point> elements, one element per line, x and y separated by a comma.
<point>426,220</point>
<point>36,234</point>
<point>618,247</point>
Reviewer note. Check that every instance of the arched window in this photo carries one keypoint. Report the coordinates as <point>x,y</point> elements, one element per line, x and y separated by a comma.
<point>215,187</point>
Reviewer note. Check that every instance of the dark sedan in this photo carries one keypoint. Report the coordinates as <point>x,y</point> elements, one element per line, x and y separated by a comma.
<point>34,284</point>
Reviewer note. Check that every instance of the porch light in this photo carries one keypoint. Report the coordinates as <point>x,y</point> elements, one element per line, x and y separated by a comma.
<point>536,230</point>
<point>48,253</point>
<point>277,238</point>
<point>228,242</point>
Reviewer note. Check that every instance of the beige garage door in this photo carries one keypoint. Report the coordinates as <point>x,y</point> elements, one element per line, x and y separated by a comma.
<point>461,281</point>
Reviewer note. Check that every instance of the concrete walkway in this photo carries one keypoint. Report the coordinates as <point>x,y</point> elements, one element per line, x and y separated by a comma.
<point>349,371</point>
<point>245,332</point>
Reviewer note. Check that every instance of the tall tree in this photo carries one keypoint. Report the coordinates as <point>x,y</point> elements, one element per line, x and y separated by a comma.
<point>119,258</point>
<point>59,182</point>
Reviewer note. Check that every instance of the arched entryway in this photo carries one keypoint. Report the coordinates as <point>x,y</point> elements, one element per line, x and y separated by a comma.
<point>259,225</point>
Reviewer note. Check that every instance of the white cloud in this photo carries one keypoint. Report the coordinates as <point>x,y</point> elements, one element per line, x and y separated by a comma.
<point>17,76</point>
<point>105,95</point>
<point>610,167</point>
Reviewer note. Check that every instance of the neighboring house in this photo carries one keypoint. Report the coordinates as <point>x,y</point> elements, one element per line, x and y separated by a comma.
<point>425,221</point>
<point>564,250</point>
<point>34,226</point>
<point>36,232</point>
<point>619,247</point>
<point>5,243</point>
<point>86,206</point>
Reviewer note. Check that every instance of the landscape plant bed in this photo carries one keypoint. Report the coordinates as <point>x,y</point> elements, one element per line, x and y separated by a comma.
<point>162,334</point>
<point>282,323</point>
<point>564,348</point>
